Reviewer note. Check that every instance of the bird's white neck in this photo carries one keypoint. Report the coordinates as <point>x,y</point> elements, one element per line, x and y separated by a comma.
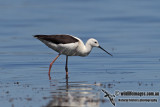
<point>84,50</point>
<point>88,48</point>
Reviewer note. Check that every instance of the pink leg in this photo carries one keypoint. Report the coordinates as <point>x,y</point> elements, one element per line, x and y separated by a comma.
<point>52,64</point>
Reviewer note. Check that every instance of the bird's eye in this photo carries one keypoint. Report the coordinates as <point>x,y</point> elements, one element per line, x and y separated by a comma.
<point>95,42</point>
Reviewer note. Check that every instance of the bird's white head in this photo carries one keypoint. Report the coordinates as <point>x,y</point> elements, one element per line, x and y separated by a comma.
<point>93,42</point>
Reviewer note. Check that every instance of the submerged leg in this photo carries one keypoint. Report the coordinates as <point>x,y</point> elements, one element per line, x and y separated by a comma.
<point>66,67</point>
<point>50,66</point>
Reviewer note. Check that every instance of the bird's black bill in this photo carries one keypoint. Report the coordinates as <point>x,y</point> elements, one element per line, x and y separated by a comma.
<point>105,50</point>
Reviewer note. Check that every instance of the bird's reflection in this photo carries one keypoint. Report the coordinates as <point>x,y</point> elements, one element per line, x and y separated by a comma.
<point>49,76</point>
<point>73,93</point>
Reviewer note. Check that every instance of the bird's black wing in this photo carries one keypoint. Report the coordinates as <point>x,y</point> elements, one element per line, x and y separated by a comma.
<point>57,39</point>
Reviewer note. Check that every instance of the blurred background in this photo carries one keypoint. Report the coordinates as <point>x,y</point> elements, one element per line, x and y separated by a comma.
<point>127,29</point>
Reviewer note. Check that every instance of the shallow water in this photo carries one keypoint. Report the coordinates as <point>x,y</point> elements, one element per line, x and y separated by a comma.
<point>127,29</point>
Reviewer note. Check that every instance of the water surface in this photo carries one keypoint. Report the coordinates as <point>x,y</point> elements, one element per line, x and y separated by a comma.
<point>127,29</point>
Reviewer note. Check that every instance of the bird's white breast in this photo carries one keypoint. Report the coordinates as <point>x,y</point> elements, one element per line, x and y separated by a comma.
<point>69,49</point>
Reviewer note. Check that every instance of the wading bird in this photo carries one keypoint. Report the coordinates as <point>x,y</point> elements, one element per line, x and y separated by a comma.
<point>68,45</point>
